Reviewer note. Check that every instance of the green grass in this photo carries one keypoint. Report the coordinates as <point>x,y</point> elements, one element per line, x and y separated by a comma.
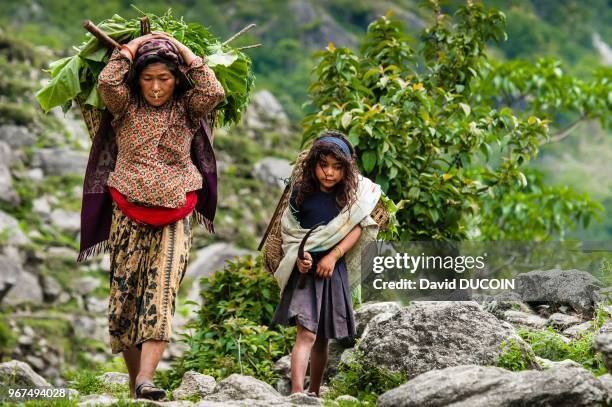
<point>548,344</point>
<point>514,357</point>
<point>363,381</point>
<point>87,382</point>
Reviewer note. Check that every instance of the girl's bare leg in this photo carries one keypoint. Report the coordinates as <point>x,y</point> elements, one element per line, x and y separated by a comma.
<point>318,361</point>
<point>299,358</point>
<point>132,361</point>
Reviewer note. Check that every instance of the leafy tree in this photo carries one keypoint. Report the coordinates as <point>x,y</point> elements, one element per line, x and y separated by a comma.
<point>428,129</point>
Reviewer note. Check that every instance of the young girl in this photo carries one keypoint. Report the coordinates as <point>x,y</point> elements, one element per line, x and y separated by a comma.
<point>315,291</point>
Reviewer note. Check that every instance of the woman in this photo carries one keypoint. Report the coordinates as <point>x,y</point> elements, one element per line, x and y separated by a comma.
<point>156,113</point>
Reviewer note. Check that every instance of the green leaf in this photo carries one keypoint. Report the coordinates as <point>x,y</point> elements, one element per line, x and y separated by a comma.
<point>63,87</point>
<point>93,99</point>
<point>434,215</point>
<point>221,58</point>
<point>353,136</point>
<point>346,120</point>
<point>414,192</point>
<point>369,160</point>
<point>466,108</point>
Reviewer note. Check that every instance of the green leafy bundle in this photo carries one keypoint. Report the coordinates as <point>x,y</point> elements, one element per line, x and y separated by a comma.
<point>74,78</point>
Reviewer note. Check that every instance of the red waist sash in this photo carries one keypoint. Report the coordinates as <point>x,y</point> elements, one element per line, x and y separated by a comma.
<point>155,215</point>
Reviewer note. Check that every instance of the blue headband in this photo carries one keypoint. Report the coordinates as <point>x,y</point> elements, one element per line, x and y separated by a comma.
<point>339,142</point>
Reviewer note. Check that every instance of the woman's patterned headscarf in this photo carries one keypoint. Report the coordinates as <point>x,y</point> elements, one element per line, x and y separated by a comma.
<point>161,48</point>
<point>165,49</point>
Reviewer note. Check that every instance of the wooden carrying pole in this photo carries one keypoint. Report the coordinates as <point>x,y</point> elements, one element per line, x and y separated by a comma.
<point>145,28</point>
<point>100,35</point>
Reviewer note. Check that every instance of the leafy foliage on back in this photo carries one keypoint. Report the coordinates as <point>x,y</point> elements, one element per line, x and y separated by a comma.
<point>75,77</point>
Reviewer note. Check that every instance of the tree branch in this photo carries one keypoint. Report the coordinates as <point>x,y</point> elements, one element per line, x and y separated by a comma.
<point>249,46</point>
<point>233,37</point>
<point>566,131</point>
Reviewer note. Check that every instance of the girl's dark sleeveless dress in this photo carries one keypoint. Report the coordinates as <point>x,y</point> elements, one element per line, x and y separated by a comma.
<point>323,305</point>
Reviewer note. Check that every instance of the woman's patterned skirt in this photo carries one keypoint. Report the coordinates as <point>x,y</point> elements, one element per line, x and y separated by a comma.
<point>147,267</point>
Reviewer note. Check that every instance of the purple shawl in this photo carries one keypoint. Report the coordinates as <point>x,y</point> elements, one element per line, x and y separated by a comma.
<point>97,209</point>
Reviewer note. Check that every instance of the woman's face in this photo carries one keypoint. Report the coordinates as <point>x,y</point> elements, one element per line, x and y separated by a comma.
<point>329,171</point>
<point>157,83</point>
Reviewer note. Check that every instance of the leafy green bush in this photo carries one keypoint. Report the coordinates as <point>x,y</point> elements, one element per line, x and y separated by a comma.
<point>514,357</point>
<point>428,126</point>
<point>549,344</point>
<point>363,380</point>
<point>230,333</point>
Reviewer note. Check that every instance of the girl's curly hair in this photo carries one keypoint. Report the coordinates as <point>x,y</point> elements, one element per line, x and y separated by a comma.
<point>345,191</point>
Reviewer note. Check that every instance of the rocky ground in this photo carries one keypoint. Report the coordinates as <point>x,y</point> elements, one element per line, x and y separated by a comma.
<point>447,350</point>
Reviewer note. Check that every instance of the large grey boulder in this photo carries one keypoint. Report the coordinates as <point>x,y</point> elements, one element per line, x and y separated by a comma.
<point>525,319</point>
<point>66,220</point>
<point>97,400</point>
<point>480,386</point>
<point>431,335</point>
<point>563,321</point>
<point>27,290</point>
<point>282,368</point>
<point>499,303</point>
<point>575,288</point>
<point>606,380</point>
<point>239,387</point>
<point>7,191</point>
<point>51,288</point>
<point>195,384</point>
<point>17,136</point>
<point>19,374</point>
<point>576,331</point>
<point>265,115</point>
<point>603,343</point>
<point>8,156</point>
<point>60,161</point>
<point>11,268</point>
<point>10,227</point>
<point>266,107</point>
<point>115,378</point>
<point>368,310</point>
<point>551,364</point>
<point>273,171</point>
<point>85,285</point>
<point>86,326</point>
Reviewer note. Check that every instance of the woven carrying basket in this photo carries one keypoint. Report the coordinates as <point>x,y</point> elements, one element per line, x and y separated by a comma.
<point>272,241</point>
<point>92,118</point>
